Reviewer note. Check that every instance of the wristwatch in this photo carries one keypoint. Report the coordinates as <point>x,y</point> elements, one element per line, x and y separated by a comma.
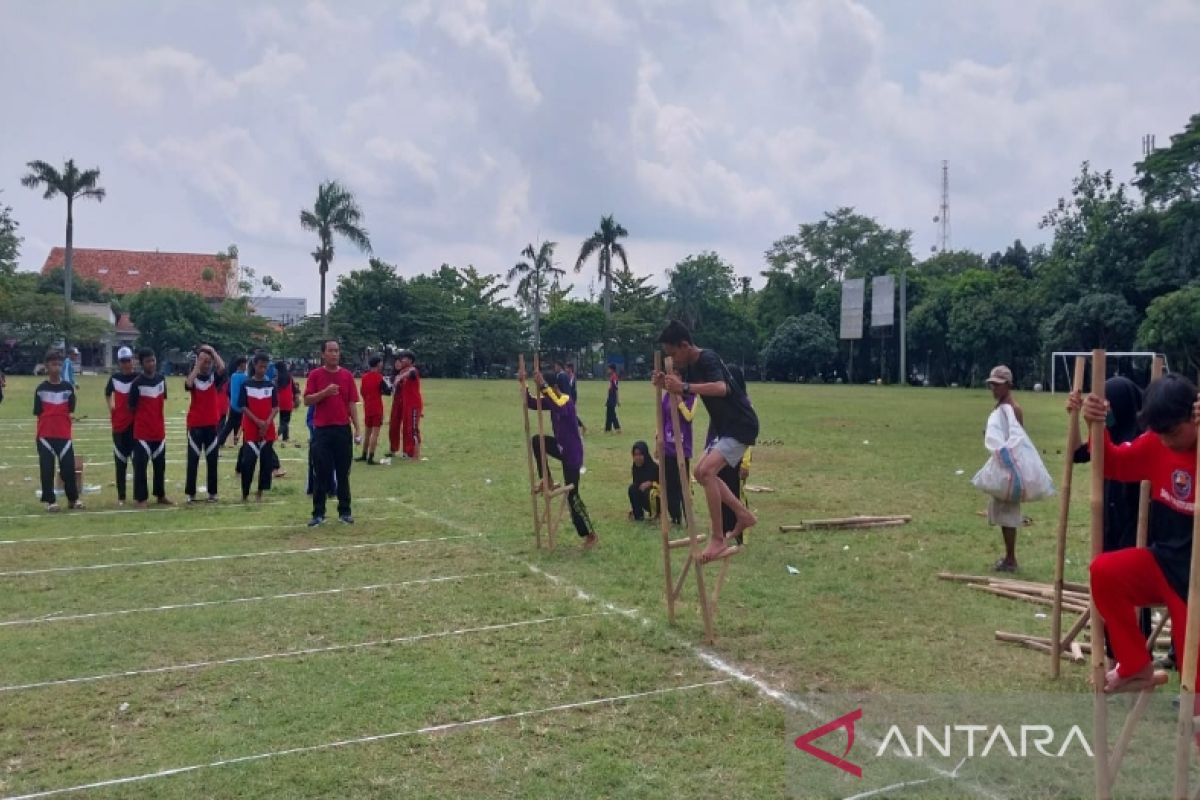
<point>687,388</point>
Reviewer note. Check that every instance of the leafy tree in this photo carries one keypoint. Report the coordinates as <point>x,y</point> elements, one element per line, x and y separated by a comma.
<point>371,308</point>
<point>573,326</point>
<point>236,328</point>
<point>1016,256</point>
<point>604,244</point>
<point>1172,326</point>
<point>10,241</point>
<point>334,212</point>
<point>85,290</point>
<point>30,319</point>
<point>802,347</point>
<point>697,287</point>
<point>533,276</point>
<point>1100,319</point>
<point>71,183</point>
<point>170,319</point>
<point>1172,173</point>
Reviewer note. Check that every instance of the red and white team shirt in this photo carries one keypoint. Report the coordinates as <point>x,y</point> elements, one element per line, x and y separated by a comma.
<point>204,411</point>
<point>148,399</point>
<point>259,398</point>
<point>53,404</point>
<point>118,388</point>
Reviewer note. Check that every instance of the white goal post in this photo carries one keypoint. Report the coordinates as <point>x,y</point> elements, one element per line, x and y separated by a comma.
<point>1065,354</point>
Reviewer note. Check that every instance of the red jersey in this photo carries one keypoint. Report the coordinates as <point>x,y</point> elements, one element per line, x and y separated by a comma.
<point>204,411</point>
<point>118,389</point>
<point>148,399</point>
<point>288,395</point>
<point>410,391</point>
<point>335,409</point>
<point>372,392</point>
<point>259,398</point>
<point>53,404</point>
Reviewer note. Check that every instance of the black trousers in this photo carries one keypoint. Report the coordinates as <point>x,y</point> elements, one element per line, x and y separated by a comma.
<point>610,419</point>
<point>202,443</point>
<point>639,502</point>
<point>674,489</point>
<point>261,454</point>
<point>285,421</point>
<point>333,453</point>
<point>733,479</point>
<point>579,515</point>
<point>146,454</point>
<point>233,421</point>
<point>63,452</point>
<point>123,445</point>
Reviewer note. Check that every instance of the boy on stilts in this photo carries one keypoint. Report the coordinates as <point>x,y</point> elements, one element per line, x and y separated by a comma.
<point>260,405</point>
<point>53,405</point>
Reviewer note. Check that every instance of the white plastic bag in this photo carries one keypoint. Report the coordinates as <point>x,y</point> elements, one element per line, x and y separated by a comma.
<point>1014,473</point>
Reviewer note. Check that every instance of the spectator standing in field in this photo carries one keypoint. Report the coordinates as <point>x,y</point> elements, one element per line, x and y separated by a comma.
<point>734,422</point>
<point>574,390</point>
<point>1005,514</point>
<point>611,423</point>
<point>233,422</point>
<point>408,387</point>
<point>289,395</point>
<point>116,392</point>
<point>147,400</point>
<point>53,405</point>
<point>205,383</point>
<point>331,390</point>
<point>373,387</point>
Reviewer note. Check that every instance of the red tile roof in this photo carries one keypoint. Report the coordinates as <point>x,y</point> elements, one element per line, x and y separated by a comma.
<point>127,271</point>
<point>125,324</point>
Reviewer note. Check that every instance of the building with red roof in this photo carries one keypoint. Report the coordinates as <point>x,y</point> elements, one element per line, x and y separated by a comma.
<point>124,272</point>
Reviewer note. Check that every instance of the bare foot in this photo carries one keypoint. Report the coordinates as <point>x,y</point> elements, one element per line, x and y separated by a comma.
<point>715,548</point>
<point>590,541</point>
<point>747,520</point>
<point>1143,679</point>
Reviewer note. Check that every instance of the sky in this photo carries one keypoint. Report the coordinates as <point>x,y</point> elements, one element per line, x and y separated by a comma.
<point>469,128</point>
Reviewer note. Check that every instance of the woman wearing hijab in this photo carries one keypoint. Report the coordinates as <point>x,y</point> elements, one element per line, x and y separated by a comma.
<point>645,478</point>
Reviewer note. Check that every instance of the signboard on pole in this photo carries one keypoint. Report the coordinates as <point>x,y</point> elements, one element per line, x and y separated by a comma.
<point>883,301</point>
<point>852,308</point>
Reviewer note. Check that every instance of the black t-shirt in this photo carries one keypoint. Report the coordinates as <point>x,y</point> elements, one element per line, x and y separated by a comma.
<point>731,415</point>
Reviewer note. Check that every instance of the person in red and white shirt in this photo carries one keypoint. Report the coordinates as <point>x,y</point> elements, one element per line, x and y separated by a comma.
<point>53,405</point>
<point>259,400</point>
<point>116,391</point>
<point>205,383</point>
<point>147,401</point>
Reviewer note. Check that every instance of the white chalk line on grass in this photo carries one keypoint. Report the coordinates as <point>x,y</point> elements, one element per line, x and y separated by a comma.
<point>226,556</point>
<point>445,727</point>
<point>711,659</point>
<point>308,651</point>
<point>169,531</point>
<point>59,616</point>
<point>180,507</point>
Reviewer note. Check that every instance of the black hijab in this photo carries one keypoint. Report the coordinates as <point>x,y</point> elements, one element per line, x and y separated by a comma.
<point>1125,402</point>
<point>648,471</point>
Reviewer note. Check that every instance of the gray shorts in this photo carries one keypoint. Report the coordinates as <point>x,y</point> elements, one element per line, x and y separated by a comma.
<point>730,449</point>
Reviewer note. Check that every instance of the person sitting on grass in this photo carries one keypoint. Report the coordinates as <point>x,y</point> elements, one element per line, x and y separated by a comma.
<point>53,405</point>
<point>1131,578</point>
<point>645,479</point>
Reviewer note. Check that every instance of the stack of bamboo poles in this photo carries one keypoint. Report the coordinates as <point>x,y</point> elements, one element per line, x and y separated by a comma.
<point>848,523</point>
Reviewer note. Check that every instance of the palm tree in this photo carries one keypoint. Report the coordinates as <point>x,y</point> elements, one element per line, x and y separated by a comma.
<point>604,243</point>
<point>334,212</point>
<point>535,272</point>
<point>70,183</point>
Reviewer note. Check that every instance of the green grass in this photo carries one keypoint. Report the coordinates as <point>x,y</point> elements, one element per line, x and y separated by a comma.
<point>864,614</point>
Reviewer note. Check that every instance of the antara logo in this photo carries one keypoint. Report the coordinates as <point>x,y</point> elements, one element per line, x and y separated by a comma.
<point>971,741</point>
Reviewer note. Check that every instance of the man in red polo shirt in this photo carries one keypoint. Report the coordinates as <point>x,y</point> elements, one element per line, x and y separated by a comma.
<point>374,387</point>
<point>53,405</point>
<point>147,401</point>
<point>205,383</point>
<point>331,391</point>
<point>117,393</point>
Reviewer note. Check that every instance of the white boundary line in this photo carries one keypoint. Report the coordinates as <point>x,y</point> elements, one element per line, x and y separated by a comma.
<point>708,657</point>
<point>446,727</point>
<point>308,651</point>
<point>169,531</point>
<point>225,557</point>
<point>180,507</point>
<point>59,616</point>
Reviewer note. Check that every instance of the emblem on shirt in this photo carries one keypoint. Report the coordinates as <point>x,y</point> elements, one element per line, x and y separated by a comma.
<point>1181,484</point>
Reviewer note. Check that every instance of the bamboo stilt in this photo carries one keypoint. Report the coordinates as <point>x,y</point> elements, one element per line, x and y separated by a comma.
<point>534,486</point>
<point>1103,785</point>
<point>664,523</point>
<point>544,518</point>
<point>1064,513</point>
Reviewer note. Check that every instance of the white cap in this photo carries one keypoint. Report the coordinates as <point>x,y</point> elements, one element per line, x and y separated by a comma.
<point>124,353</point>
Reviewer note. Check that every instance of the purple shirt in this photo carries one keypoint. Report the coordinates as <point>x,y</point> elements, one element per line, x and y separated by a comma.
<point>685,426</point>
<point>566,428</point>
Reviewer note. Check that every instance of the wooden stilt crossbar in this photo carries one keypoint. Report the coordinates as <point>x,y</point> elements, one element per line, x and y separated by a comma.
<point>544,518</point>
<point>1184,736</point>
<point>1064,513</point>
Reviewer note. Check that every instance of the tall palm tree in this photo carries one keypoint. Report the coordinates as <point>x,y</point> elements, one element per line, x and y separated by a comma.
<point>70,183</point>
<point>604,243</point>
<point>536,273</point>
<point>335,211</point>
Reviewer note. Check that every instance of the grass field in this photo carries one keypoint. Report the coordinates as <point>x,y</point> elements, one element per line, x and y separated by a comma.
<point>435,619</point>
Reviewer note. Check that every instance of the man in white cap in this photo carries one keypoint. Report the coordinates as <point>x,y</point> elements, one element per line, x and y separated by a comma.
<point>1006,515</point>
<point>117,394</point>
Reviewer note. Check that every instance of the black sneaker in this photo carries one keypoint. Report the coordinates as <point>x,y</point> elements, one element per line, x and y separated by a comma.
<point>346,519</point>
<point>361,458</point>
<point>315,521</point>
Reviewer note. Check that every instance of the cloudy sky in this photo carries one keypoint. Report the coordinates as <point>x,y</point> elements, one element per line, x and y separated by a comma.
<point>468,128</point>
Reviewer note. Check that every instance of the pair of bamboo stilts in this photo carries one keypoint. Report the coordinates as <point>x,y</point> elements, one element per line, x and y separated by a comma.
<point>543,513</point>
<point>1108,762</point>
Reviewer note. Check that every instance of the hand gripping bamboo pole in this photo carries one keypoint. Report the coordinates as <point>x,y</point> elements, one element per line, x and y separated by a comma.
<point>537,517</point>
<point>1064,514</point>
<point>1103,779</point>
<point>664,521</point>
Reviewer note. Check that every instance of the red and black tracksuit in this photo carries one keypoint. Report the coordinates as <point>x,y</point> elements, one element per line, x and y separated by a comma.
<point>1124,580</point>
<point>404,427</point>
<point>289,396</point>
<point>260,399</point>
<point>117,388</point>
<point>147,401</point>
<point>53,404</point>
<point>204,419</point>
